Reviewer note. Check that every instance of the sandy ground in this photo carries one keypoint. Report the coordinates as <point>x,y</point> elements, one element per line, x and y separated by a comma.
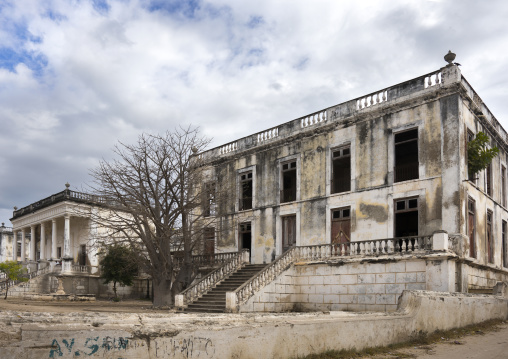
<point>127,306</point>
<point>489,345</point>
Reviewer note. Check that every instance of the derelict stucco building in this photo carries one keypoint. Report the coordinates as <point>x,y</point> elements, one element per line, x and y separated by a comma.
<point>387,165</point>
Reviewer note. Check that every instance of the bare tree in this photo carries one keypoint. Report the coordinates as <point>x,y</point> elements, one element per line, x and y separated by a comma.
<point>156,204</point>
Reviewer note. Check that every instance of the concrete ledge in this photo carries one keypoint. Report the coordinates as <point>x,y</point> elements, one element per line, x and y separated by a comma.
<point>40,335</point>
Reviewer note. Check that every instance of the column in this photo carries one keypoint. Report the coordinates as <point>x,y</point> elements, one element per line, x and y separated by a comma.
<point>32,243</point>
<point>53,239</point>
<point>67,259</point>
<point>23,250</point>
<point>43,242</point>
<point>15,246</point>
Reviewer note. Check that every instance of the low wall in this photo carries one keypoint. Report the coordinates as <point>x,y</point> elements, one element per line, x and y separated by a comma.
<point>99,335</point>
<point>81,285</point>
<point>353,285</point>
<point>484,277</point>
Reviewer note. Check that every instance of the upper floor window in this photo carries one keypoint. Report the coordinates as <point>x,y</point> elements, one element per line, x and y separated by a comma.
<point>488,179</point>
<point>504,244</point>
<point>245,191</point>
<point>471,226</point>
<point>470,137</point>
<point>209,199</point>
<point>288,190</point>
<point>406,155</point>
<point>341,169</point>
<point>503,186</point>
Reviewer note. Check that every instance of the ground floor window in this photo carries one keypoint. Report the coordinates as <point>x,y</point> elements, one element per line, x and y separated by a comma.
<point>245,237</point>
<point>406,217</point>
<point>209,241</point>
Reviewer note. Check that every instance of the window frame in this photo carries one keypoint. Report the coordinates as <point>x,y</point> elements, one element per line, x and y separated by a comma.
<point>340,157</point>
<point>395,144</point>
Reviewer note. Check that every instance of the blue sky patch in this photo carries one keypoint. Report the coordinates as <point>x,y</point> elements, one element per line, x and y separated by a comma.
<point>9,59</point>
<point>255,21</point>
<point>187,8</point>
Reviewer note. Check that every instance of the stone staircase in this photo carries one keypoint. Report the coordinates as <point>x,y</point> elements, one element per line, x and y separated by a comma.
<point>215,300</point>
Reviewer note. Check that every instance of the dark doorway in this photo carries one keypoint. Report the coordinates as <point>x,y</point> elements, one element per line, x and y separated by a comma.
<point>245,241</point>
<point>406,217</point>
<point>288,232</point>
<point>209,241</point>
<point>82,255</point>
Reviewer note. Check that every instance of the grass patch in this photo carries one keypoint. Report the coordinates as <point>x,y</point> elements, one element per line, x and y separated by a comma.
<point>423,341</point>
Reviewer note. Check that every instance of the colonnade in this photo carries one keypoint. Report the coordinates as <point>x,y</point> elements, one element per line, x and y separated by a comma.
<point>66,255</point>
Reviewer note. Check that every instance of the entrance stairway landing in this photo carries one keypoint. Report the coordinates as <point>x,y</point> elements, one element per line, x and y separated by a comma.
<point>215,300</point>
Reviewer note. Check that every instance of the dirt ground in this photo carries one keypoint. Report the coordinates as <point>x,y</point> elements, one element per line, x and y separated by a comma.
<point>489,345</point>
<point>124,306</point>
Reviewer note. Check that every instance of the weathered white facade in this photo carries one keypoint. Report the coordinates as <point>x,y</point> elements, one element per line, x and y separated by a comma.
<point>389,165</point>
<point>60,233</point>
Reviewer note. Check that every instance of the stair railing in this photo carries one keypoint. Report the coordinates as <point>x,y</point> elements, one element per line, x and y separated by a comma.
<point>265,276</point>
<point>31,275</point>
<point>209,281</point>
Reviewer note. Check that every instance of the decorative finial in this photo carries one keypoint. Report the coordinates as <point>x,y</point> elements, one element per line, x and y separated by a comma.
<point>194,150</point>
<point>449,57</point>
<point>15,208</point>
<point>67,185</point>
<point>3,224</point>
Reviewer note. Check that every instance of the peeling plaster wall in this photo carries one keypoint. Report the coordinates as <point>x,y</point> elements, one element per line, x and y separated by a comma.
<point>99,335</point>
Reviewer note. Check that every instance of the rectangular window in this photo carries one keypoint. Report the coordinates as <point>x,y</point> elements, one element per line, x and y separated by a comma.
<point>209,199</point>
<point>406,155</point>
<point>488,180</point>
<point>490,241</point>
<point>59,252</point>
<point>503,186</point>
<point>288,191</point>
<point>471,227</point>
<point>18,248</point>
<point>341,170</point>
<point>245,191</point>
<point>406,217</point>
<point>470,137</point>
<point>504,244</point>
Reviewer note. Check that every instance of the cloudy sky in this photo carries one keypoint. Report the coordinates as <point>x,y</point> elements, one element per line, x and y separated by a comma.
<point>77,76</point>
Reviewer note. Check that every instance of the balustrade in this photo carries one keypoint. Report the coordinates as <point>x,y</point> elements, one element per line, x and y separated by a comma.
<point>230,147</point>
<point>432,79</point>
<point>313,119</point>
<point>372,99</point>
<point>267,135</point>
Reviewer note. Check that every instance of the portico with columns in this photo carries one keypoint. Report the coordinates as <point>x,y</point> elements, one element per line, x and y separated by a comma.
<point>60,233</point>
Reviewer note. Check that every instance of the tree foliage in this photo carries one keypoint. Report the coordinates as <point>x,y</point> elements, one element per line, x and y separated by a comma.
<point>479,156</point>
<point>13,272</point>
<point>153,194</point>
<point>118,266</point>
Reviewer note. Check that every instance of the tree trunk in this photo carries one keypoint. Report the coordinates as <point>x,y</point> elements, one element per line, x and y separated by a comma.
<point>6,289</point>
<point>162,293</point>
<point>114,288</point>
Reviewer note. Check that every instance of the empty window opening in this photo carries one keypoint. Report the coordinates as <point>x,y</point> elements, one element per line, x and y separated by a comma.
<point>209,241</point>
<point>59,252</point>
<point>471,227</point>
<point>209,199</point>
<point>288,191</point>
<point>406,155</point>
<point>245,240</point>
<point>406,217</point>
<point>341,170</point>
<point>470,137</point>
<point>504,244</point>
<point>490,242</point>
<point>288,232</point>
<point>245,191</point>
<point>18,248</point>
<point>503,186</point>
